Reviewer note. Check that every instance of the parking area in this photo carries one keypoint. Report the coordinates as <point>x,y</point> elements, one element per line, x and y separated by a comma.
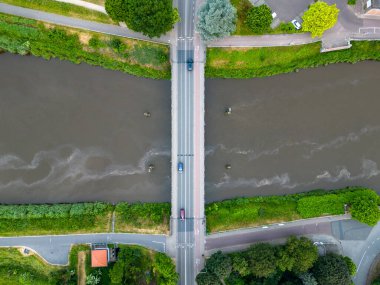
<point>288,10</point>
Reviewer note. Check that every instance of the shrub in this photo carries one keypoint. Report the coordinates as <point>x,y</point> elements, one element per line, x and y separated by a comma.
<point>95,42</point>
<point>350,265</point>
<point>351,2</point>
<point>259,19</point>
<point>365,210</point>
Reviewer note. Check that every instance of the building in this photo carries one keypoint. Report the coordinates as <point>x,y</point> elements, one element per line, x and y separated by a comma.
<point>371,7</point>
<point>99,255</point>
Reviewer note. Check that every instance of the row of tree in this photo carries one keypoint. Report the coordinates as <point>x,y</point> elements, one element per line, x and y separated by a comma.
<point>296,262</point>
<point>216,18</point>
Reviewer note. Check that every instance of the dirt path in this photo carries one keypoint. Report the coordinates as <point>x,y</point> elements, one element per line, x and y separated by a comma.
<point>81,268</point>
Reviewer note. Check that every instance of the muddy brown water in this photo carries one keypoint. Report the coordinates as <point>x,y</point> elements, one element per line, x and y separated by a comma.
<point>77,133</point>
<point>319,128</point>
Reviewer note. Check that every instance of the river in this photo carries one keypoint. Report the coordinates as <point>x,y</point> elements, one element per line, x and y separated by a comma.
<point>77,133</point>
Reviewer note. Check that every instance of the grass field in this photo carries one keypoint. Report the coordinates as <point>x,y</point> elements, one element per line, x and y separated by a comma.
<point>61,8</point>
<point>140,58</point>
<point>257,211</point>
<point>261,62</point>
<point>17,269</point>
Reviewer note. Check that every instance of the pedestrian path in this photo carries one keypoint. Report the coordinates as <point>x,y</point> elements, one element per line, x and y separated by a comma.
<point>85,4</point>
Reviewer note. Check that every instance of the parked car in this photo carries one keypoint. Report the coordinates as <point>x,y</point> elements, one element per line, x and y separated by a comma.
<point>182,214</point>
<point>180,167</point>
<point>296,24</point>
<point>190,64</point>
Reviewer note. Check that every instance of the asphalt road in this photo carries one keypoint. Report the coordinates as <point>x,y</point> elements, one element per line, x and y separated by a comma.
<point>238,239</point>
<point>77,23</point>
<point>185,143</point>
<point>55,248</point>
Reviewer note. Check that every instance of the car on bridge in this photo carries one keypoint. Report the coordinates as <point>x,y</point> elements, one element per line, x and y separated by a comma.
<point>182,214</point>
<point>180,167</point>
<point>190,64</point>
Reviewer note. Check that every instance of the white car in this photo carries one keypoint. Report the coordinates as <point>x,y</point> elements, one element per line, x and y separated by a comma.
<point>296,24</point>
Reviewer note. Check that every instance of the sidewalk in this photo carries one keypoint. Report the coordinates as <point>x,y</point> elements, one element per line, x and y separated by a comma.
<point>85,4</point>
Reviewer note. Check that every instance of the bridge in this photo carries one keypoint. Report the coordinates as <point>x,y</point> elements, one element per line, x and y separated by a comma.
<point>188,235</point>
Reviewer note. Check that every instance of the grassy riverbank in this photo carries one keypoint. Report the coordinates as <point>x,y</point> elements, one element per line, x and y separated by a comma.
<point>140,58</point>
<point>256,211</point>
<point>62,8</point>
<point>261,62</point>
<point>83,218</point>
<point>142,218</point>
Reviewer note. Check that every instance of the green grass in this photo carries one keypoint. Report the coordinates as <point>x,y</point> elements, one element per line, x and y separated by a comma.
<point>261,62</point>
<point>62,8</point>
<point>18,269</point>
<point>242,7</point>
<point>256,211</point>
<point>140,58</point>
<point>143,217</point>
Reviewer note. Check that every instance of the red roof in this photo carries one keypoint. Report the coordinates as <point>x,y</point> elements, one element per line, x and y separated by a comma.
<point>99,258</point>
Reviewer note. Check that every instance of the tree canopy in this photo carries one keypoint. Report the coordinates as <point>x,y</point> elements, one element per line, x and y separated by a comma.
<point>319,17</point>
<point>216,19</point>
<point>297,255</point>
<point>205,278</point>
<point>331,270</point>
<point>259,18</point>
<point>219,264</point>
<point>150,17</point>
<point>262,258</point>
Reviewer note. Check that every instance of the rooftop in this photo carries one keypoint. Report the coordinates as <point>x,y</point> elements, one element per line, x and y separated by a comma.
<point>99,258</point>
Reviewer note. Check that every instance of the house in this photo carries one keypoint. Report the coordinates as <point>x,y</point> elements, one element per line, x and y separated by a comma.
<point>99,255</point>
<point>371,7</point>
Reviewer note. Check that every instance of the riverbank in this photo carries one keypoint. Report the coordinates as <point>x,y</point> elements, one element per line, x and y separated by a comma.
<point>136,57</point>
<point>261,62</point>
<point>18,220</point>
<point>257,211</point>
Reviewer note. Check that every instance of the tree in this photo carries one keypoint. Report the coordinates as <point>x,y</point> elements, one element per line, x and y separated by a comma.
<point>259,18</point>
<point>331,269</point>
<point>262,258</point>
<point>298,255</point>
<point>240,264</point>
<point>130,266</point>
<point>150,17</point>
<point>207,279</point>
<point>164,269</point>
<point>308,279</point>
<point>365,209</point>
<point>350,265</point>
<point>219,264</point>
<point>216,19</point>
<point>319,18</point>
<point>117,9</point>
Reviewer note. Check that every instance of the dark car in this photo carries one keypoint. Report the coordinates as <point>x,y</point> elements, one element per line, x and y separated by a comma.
<point>190,64</point>
<point>182,214</point>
